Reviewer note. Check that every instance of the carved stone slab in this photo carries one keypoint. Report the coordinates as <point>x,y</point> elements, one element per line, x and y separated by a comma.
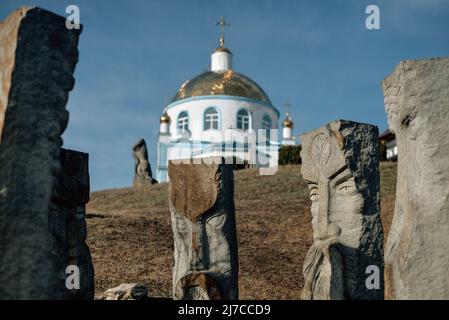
<point>196,188</point>
<point>38,57</point>
<point>68,219</point>
<point>203,221</point>
<point>340,163</point>
<point>417,256</point>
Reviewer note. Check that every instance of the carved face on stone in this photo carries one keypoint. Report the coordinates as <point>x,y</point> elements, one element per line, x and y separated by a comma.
<point>340,166</point>
<point>337,204</point>
<point>203,222</point>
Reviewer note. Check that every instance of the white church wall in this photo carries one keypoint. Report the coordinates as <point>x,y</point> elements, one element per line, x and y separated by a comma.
<point>227,108</point>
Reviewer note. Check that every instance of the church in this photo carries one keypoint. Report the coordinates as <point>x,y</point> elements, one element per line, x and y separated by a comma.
<point>221,113</point>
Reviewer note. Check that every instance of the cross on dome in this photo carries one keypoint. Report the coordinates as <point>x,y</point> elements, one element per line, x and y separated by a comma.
<point>222,23</point>
<point>287,106</point>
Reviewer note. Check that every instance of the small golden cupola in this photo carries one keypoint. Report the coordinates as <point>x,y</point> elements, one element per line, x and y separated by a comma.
<point>287,128</point>
<point>288,123</point>
<point>165,118</point>
<point>165,122</point>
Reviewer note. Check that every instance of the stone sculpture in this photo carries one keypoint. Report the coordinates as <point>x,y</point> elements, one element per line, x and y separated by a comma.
<point>38,55</point>
<point>341,168</point>
<point>416,255</point>
<point>142,170</point>
<point>68,219</point>
<point>204,231</point>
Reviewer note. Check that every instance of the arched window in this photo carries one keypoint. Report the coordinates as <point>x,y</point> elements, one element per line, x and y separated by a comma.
<point>243,120</point>
<point>183,121</point>
<point>266,122</point>
<point>211,119</point>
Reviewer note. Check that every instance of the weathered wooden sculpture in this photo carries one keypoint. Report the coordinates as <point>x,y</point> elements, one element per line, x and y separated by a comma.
<point>340,164</point>
<point>204,231</point>
<point>416,255</point>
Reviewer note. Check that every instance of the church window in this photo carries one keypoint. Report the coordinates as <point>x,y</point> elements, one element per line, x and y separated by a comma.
<point>243,120</point>
<point>183,121</point>
<point>211,119</point>
<point>266,122</point>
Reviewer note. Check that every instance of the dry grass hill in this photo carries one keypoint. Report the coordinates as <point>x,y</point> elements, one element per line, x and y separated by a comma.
<point>131,239</point>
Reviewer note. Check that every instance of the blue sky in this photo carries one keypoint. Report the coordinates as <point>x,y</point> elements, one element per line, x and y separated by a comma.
<point>317,55</point>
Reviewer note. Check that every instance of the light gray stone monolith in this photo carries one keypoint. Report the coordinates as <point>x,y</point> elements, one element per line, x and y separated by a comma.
<point>340,163</point>
<point>38,55</point>
<point>204,231</point>
<point>417,255</point>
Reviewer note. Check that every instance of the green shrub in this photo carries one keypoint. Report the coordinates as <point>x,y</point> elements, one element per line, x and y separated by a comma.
<point>289,155</point>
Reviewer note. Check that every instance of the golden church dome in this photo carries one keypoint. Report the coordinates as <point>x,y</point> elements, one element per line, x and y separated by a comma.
<point>165,118</point>
<point>288,123</point>
<point>229,83</point>
<point>223,49</point>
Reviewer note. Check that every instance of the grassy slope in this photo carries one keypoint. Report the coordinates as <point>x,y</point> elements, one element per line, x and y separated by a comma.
<point>131,239</point>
